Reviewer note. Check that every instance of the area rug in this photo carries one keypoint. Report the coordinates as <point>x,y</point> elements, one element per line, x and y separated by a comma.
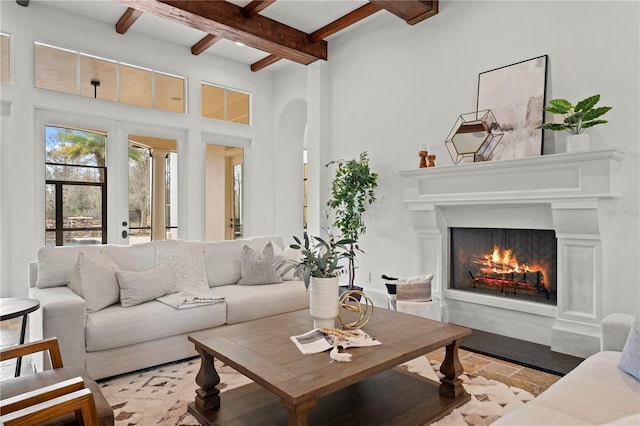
<point>159,396</point>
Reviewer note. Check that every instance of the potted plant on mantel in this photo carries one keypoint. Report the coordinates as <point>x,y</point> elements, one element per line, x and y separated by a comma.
<point>318,266</point>
<point>352,189</point>
<point>577,117</point>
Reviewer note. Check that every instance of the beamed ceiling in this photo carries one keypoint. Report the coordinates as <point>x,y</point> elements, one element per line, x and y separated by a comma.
<point>275,31</point>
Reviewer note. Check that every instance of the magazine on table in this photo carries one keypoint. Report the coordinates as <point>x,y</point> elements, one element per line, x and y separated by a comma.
<point>315,341</point>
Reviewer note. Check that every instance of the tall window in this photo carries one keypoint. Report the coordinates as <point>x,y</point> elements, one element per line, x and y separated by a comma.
<point>76,187</point>
<point>221,103</point>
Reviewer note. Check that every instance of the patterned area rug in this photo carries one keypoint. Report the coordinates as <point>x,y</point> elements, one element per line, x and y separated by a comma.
<point>160,396</point>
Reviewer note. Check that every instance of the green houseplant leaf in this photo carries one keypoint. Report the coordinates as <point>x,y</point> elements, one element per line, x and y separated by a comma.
<point>319,258</point>
<point>352,189</point>
<point>576,118</point>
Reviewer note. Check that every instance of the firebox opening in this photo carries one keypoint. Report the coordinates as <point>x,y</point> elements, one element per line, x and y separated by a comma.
<point>512,263</point>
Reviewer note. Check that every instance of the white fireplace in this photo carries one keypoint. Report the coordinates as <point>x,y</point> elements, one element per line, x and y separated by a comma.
<point>566,193</point>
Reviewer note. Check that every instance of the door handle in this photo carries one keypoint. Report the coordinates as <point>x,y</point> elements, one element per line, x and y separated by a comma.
<point>125,234</point>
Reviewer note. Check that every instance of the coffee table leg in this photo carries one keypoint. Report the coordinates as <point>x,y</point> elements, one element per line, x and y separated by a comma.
<point>298,412</point>
<point>451,385</point>
<point>208,396</point>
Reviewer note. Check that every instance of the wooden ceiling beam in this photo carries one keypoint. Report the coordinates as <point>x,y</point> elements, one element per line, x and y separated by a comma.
<point>255,7</point>
<point>250,10</point>
<point>347,20</point>
<point>412,11</point>
<point>326,31</point>
<point>264,62</point>
<point>127,19</point>
<point>227,20</point>
<point>208,41</point>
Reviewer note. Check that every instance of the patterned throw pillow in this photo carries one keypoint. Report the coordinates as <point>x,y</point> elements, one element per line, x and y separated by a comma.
<point>140,287</point>
<point>99,284</point>
<point>258,269</point>
<point>76,282</point>
<point>630,358</point>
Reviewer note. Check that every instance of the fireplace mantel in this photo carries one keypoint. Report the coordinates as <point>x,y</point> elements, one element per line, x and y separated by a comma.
<point>577,175</point>
<point>565,192</point>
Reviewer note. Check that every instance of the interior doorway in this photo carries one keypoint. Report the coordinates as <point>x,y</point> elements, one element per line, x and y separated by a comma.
<point>224,192</point>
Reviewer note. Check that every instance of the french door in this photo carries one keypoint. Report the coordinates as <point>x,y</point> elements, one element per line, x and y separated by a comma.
<point>85,167</point>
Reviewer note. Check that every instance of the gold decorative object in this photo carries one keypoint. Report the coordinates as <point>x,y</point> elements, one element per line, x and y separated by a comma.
<point>352,302</point>
<point>474,137</point>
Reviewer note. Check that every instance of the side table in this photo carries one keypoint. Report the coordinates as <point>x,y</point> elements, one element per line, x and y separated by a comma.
<point>13,308</point>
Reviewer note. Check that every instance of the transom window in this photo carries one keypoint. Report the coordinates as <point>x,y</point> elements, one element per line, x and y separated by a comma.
<point>221,103</point>
<point>77,73</point>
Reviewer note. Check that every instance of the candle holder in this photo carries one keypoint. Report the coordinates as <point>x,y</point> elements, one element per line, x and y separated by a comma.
<point>431,160</point>
<point>423,158</point>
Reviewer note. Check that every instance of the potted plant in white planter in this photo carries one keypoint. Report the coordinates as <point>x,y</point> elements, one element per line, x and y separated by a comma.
<point>577,118</point>
<point>318,266</point>
<point>352,189</point>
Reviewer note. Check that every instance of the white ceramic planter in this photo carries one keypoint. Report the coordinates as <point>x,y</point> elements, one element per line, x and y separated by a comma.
<point>577,143</point>
<point>323,301</point>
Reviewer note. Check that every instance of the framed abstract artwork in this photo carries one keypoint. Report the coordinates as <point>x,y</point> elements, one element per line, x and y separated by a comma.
<point>516,95</point>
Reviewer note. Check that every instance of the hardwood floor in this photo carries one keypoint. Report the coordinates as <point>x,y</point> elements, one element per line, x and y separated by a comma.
<point>527,354</point>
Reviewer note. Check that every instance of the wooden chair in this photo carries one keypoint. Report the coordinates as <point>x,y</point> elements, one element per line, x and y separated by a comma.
<point>62,395</point>
<point>50,403</point>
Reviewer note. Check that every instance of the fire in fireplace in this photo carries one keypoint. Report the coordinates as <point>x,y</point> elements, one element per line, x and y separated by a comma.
<point>517,263</point>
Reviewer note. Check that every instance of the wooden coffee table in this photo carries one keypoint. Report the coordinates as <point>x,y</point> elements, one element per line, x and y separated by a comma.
<point>295,389</point>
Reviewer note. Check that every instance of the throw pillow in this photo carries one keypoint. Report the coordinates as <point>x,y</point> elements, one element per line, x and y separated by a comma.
<point>187,262</point>
<point>289,254</point>
<point>258,269</point>
<point>99,284</point>
<point>76,282</point>
<point>630,358</point>
<point>140,287</point>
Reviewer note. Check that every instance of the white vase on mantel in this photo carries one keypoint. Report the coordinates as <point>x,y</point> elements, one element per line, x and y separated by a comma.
<point>576,143</point>
<point>323,301</point>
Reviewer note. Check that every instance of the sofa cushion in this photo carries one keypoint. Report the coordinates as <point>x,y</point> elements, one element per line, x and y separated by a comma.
<point>116,326</point>
<point>136,257</point>
<point>257,269</point>
<point>223,259</point>
<point>289,254</point>
<point>99,284</point>
<point>580,397</point>
<point>632,420</point>
<point>56,263</point>
<point>252,302</point>
<point>186,260</point>
<point>75,284</point>
<point>630,358</point>
<point>597,382</point>
<point>144,286</point>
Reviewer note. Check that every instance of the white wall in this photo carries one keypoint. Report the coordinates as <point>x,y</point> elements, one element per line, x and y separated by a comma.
<point>387,87</point>
<point>22,189</point>
<point>394,86</point>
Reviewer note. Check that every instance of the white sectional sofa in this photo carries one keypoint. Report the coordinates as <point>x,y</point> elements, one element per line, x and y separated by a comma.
<point>596,392</point>
<point>117,339</point>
